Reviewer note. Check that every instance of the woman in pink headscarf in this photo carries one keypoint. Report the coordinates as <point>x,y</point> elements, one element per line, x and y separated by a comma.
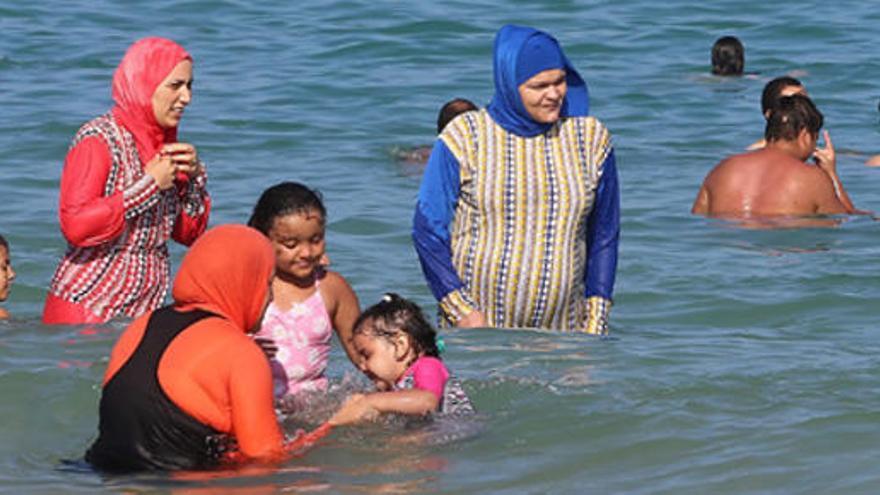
<point>127,187</point>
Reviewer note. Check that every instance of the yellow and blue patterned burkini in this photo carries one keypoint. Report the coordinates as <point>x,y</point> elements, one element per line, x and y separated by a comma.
<point>518,235</point>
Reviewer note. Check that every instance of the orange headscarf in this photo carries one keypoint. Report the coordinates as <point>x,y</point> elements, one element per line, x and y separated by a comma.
<point>227,272</point>
<point>145,65</point>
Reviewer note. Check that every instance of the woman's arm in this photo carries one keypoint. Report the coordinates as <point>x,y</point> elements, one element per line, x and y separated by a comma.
<point>435,208</point>
<point>87,216</point>
<point>603,235</point>
<point>254,424</point>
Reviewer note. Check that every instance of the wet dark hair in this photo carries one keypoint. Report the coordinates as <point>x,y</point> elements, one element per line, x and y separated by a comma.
<point>728,57</point>
<point>3,243</point>
<point>791,115</point>
<point>394,315</point>
<point>771,94</point>
<point>452,109</point>
<point>282,199</point>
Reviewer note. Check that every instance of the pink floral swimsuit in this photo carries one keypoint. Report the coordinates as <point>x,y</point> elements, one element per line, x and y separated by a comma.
<point>303,335</point>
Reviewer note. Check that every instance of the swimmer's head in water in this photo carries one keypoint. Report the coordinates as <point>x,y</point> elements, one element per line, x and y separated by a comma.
<point>452,109</point>
<point>792,115</point>
<point>728,57</point>
<point>399,322</point>
<point>779,88</point>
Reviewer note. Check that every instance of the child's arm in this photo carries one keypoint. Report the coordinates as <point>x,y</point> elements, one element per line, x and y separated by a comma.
<point>361,407</point>
<point>344,311</point>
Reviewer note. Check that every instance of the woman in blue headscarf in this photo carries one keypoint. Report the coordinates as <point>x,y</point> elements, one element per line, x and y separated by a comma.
<point>517,221</point>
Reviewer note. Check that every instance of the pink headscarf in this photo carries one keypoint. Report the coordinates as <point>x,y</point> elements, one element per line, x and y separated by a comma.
<point>146,63</point>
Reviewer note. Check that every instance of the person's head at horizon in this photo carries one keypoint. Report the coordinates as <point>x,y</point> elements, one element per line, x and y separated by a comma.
<point>795,123</point>
<point>389,336</point>
<point>152,86</point>
<point>7,274</point>
<point>728,57</point>
<point>451,109</point>
<point>228,271</point>
<point>535,84</point>
<point>293,217</point>
<point>779,88</point>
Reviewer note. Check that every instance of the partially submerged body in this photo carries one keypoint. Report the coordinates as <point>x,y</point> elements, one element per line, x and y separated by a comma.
<point>767,182</point>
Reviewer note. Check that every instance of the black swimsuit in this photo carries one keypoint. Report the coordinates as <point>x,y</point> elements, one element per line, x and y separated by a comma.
<point>140,428</point>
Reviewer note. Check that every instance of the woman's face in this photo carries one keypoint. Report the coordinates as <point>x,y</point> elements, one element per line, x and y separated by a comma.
<point>173,95</point>
<point>542,95</point>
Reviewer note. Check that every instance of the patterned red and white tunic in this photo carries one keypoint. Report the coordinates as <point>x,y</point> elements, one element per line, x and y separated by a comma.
<point>117,223</point>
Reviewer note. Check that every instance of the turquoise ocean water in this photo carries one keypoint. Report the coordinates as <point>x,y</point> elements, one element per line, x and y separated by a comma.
<point>742,361</point>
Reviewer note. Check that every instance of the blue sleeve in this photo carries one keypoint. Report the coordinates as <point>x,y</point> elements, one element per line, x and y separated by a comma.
<point>435,208</point>
<point>603,234</point>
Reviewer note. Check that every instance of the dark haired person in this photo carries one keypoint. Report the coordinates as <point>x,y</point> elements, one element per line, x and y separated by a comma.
<point>728,57</point>
<point>773,91</point>
<point>450,110</point>
<point>777,180</point>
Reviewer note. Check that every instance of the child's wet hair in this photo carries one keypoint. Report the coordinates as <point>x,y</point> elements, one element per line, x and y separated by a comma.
<point>394,315</point>
<point>282,199</point>
<point>3,242</point>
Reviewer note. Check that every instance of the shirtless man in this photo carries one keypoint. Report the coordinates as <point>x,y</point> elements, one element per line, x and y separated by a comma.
<point>776,180</point>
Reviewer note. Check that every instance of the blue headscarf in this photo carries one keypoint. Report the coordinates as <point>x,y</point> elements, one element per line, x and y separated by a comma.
<point>520,53</point>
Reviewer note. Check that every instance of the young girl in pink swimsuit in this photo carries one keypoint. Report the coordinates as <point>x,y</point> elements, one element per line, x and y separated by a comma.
<point>397,350</point>
<point>309,302</point>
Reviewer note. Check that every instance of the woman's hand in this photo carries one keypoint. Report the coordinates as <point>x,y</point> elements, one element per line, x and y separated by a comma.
<point>162,169</point>
<point>184,157</point>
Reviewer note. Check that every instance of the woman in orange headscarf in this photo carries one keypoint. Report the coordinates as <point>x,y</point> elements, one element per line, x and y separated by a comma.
<point>186,383</point>
<point>127,187</point>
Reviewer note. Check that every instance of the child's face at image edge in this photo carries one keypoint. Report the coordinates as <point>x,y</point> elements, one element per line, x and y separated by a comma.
<point>7,274</point>
<point>383,360</point>
<point>299,244</point>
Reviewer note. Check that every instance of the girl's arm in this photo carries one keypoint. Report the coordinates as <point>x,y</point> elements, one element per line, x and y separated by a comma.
<point>361,407</point>
<point>344,312</point>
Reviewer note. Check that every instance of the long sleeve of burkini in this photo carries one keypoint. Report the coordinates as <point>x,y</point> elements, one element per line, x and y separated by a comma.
<point>87,216</point>
<point>435,209</point>
<point>603,236</point>
<point>195,208</point>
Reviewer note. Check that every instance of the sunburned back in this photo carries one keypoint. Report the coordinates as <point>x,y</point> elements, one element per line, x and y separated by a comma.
<point>767,182</point>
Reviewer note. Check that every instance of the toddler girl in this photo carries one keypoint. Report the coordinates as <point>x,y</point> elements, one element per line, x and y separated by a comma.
<point>309,302</point>
<point>397,350</point>
<point>7,274</point>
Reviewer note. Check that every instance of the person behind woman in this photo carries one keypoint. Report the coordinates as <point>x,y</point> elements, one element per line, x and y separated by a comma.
<point>7,274</point>
<point>398,352</point>
<point>127,187</point>
<point>185,383</point>
<point>517,220</point>
<point>309,301</point>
